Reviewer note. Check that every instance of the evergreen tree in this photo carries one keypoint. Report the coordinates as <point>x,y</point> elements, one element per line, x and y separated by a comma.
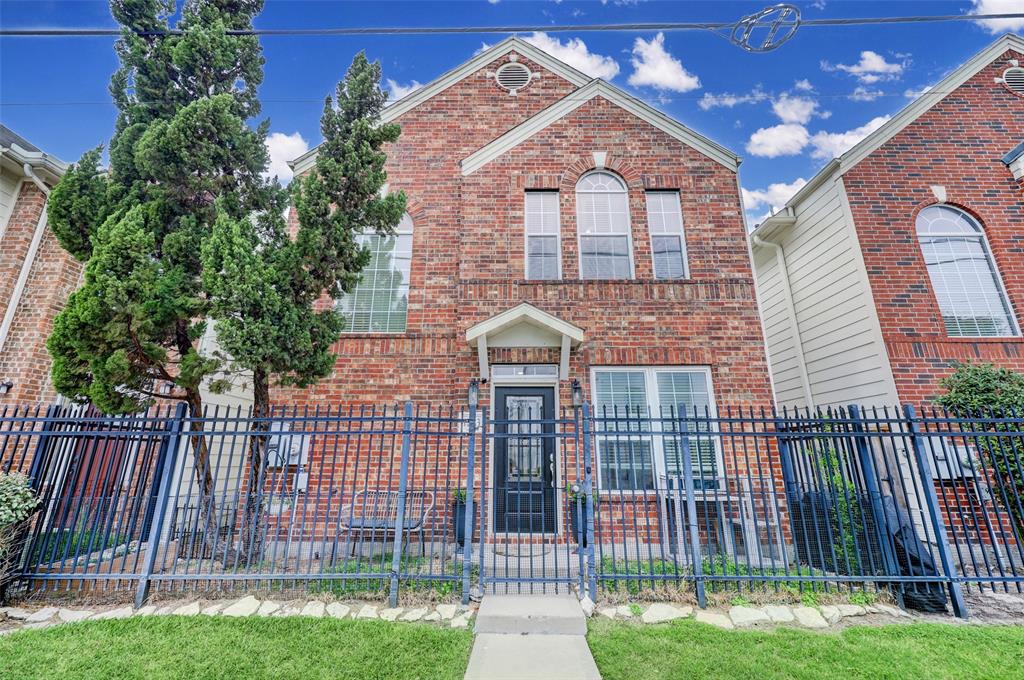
<point>182,157</point>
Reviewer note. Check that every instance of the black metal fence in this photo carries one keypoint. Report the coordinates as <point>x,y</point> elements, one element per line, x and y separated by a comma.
<point>444,499</point>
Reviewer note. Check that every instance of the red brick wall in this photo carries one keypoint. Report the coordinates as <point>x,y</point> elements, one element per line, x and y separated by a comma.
<point>958,144</point>
<point>468,252</point>
<point>54,274</point>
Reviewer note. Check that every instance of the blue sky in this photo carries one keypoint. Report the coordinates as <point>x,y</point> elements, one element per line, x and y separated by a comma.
<point>787,112</point>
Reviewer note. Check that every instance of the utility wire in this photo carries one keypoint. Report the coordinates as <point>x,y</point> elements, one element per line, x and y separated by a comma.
<point>562,28</point>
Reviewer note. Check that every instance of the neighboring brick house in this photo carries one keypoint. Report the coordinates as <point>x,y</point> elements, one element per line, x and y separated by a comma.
<point>906,254</point>
<point>36,274</point>
<point>558,230</point>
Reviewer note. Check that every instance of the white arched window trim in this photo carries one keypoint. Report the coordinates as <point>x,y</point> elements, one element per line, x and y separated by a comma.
<point>953,242</point>
<point>605,184</point>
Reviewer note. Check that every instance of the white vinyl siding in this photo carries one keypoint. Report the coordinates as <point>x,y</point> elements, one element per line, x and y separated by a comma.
<point>602,218</point>
<point>963,275</point>
<point>8,195</point>
<point>668,245</point>
<point>543,236</point>
<point>379,303</point>
<point>625,399</point>
<point>838,328</point>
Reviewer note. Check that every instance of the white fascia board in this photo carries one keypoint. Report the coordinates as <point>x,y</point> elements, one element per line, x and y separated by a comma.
<point>926,101</point>
<point>523,313</point>
<point>573,101</point>
<point>417,97</point>
<point>52,167</point>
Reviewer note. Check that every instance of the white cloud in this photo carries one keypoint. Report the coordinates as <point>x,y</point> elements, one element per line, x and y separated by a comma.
<point>864,94</point>
<point>728,100</point>
<point>654,67</point>
<point>803,85</point>
<point>787,139</point>
<point>283,148</point>
<point>575,53</point>
<point>996,26</point>
<point>774,196</point>
<point>791,109</point>
<point>871,68</point>
<point>911,93</point>
<point>397,90</point>
<point>828,145</point>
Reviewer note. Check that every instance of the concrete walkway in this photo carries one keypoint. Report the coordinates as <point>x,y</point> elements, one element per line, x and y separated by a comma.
<point>529,638</point>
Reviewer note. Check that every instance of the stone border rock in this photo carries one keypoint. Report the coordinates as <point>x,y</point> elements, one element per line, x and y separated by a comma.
<point>448,615</point>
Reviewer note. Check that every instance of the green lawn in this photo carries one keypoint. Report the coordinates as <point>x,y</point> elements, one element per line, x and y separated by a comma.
<point>202,647</point>
<point>686,649</point>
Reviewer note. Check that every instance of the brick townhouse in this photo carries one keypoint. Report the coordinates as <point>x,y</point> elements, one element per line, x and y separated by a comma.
<point>906,254</point>
<point>559,232</point>
<point>36,274</point>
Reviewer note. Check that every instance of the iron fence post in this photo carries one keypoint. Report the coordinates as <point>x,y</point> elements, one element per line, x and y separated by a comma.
<point>163,497</point>
<point>403,483</point>
<point>931,499</point>
<point>867,465</point>
<point>691,512</point>
<point>467,546</point>
<point>42,442</point>
<point>588,490</point>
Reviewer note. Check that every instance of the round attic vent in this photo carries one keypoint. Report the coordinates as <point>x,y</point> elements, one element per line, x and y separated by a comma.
<point>513,76</point>
<point>1014,79</point>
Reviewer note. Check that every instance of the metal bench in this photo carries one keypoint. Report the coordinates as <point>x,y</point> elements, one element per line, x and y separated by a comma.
<point>372,511</point>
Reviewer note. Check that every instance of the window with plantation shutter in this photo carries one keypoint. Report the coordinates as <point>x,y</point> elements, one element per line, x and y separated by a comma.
<point>379,302</point>
<point>543,236</point>
<point>625,400</point>
<point>602,220</point>
<point>668,247</point>
<point>963,275</point>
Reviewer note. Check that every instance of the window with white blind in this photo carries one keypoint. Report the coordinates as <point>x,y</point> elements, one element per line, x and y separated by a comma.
<point>602,220</point>
<point>630,404</point>
<point>963,275</point>
<point>379,303</point>
<point>668,246</point>
<point>543,240</point>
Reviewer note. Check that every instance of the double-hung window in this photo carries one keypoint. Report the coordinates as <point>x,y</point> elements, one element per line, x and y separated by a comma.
<point>637,412</point>
<point>668,247</point>
<point>379,303</point>
<point>963,274</point>
<point>602,217</point>
<point>543,242</point>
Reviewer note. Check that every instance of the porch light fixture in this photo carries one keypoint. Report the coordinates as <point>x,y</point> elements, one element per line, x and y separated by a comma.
<point>6,386</point>
<point>474,393</point>
<point>577,393</point>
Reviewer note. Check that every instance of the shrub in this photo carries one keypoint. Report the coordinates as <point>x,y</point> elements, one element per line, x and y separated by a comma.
<point>17,499</point>
<point>983,391</point>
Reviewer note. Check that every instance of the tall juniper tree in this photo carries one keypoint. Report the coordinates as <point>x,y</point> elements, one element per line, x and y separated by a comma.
<point>182,155</point>
<point>264,286</point>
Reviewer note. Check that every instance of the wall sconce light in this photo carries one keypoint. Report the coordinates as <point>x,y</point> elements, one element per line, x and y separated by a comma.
<point>474,393</point>
<point>6,386</point>
<point>577,393</point>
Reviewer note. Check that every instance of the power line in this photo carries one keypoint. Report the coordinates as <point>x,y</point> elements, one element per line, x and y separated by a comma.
<point>562,28</point>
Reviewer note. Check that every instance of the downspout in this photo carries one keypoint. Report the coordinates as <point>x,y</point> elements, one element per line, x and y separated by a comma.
<point>787,293</point>
<point>30,256</point>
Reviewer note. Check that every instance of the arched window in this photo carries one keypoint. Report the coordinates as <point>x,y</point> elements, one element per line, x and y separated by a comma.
<point>964,277</point>
<point>602,217</point>
<point>379,303</point>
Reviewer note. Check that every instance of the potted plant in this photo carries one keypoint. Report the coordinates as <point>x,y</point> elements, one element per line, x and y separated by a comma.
<point>577,501</point>
<point>459,497</point>
<point>18,502</point>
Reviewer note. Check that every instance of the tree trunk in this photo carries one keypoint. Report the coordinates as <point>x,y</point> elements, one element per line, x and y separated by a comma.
<point>203,474</point>
<point>251,546</point>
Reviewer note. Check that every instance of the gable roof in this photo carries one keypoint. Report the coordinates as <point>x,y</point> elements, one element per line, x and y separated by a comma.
<point>573,101</point>
<point>907,115</point>
<point>417,97</point>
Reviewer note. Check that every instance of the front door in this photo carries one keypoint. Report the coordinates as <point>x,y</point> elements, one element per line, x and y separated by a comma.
<point>524,459</point>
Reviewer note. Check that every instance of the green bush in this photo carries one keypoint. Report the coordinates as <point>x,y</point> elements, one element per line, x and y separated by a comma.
<point>17,499</point>
<point>979,392</point>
